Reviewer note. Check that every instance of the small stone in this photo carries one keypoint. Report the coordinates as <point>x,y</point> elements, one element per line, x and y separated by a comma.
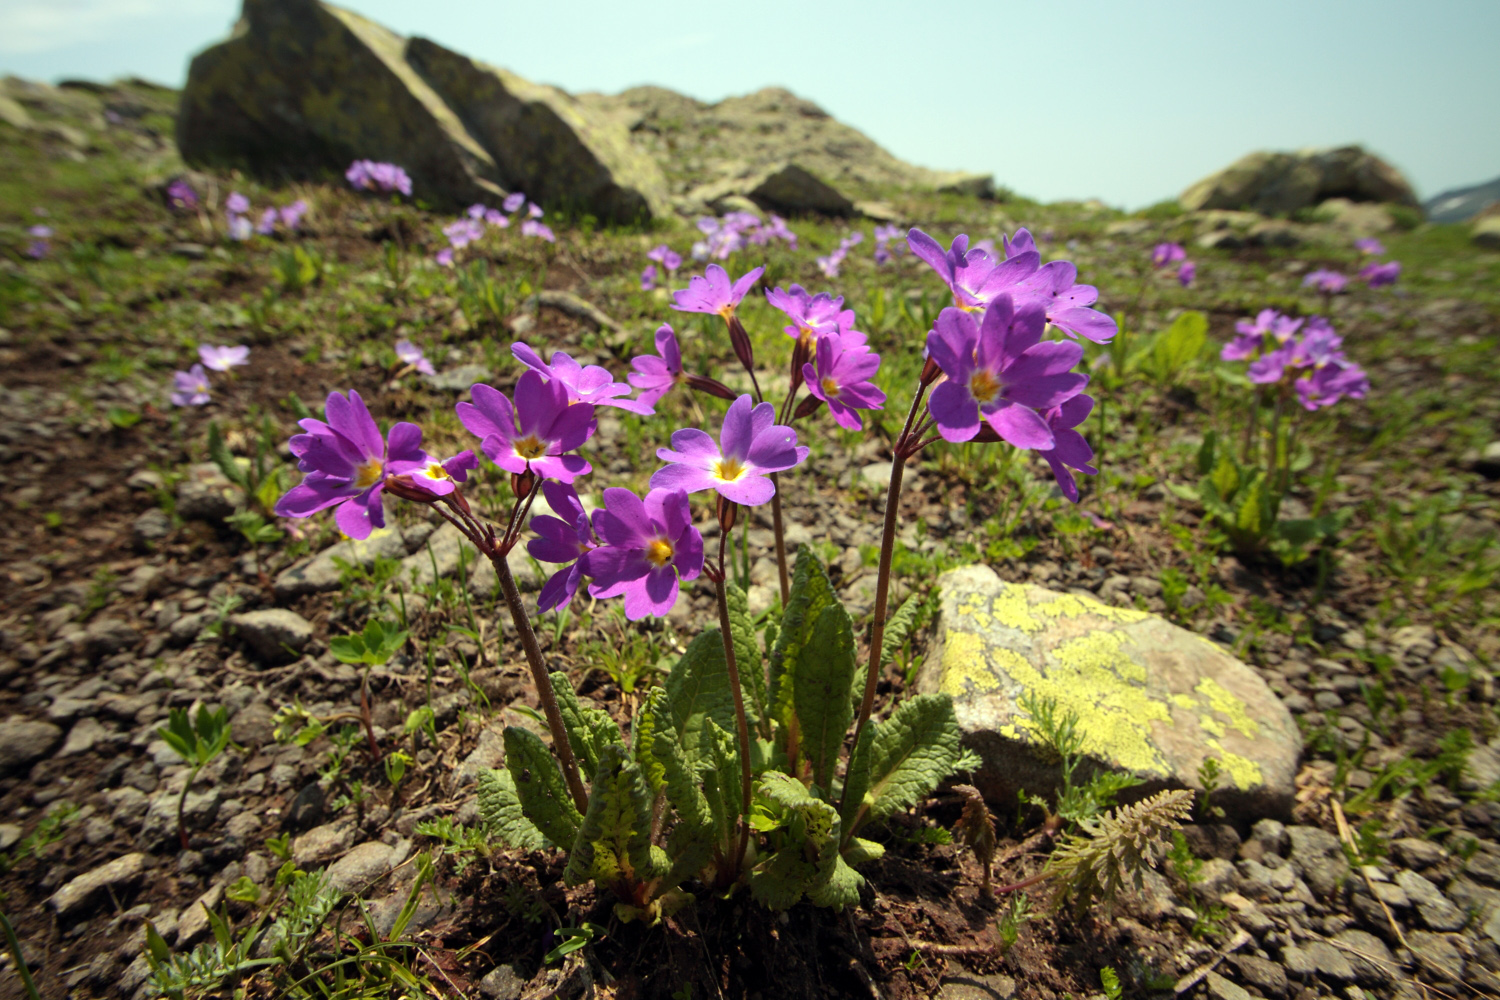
<point>79,890</point>
<point>151,526</point>
<point>1223,989</point>
<point>502,983</point>
<point>85,734</point>
<point>1432,906</point>
<point>877,476</point>
<point>1262,973</point>
<point>1438,954</point>
<point>108,635</point>
<point>24,740</point>
<point>194,919</point>
<point>1372,960</point>
<point>1317,958</point>
<point>361,866</point>
<point>321,843</point>
<point>144,581</point>
<point>276,634</point>
<point>1271,835</point>
<point>966,985</point>
<point>1320,857</point>
<point>1416,853</point>
<point>1212,840</point>
<point>322,572</point>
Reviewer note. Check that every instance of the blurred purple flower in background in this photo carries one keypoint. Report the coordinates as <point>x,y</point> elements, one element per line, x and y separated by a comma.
<point>410,354</point>
<point>1167,253</point>
<point>884,235</point>
<point>190,388</point>
<point>236,204</point>
<point>531,227</point>
<point>657,376</point>
<point>181,196</point>
<point>267,224</point>
<point>1186,273</point>
<point>830,264</point>
<point>1369,246</point>
<point>648,277</point>
<point>444,257</point>
<point>221,359</point>
<point>240,228</point>
<point>367,175</point>
<point>513,202</point>
<point>291,215</point>
<point>39,246</point>
<point>1379,275</point>
<point>1326,281</point>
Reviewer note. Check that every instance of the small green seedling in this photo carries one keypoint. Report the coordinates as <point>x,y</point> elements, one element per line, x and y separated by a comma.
<point>196,741</point>
<point>373,647</point>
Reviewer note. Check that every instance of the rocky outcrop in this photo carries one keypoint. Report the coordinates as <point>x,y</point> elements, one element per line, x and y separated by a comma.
<point>544,142</point>
<point>1151,699</point>
<point>1283,183</point>
<point>302,88</point>
<point>1462,204</point>
<point>737,146</point>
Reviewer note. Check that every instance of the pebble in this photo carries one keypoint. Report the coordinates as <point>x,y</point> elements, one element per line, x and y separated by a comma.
<point>1224,989</point>
<point>1317,958</point>
<point>272,631</point>
<point>502,983</point>
<point>363,865</point>
<point>321,843</point>
<point>77,892</point>
<point>1374,965</point>
<point>83,737</point>
<point>1437,954</point>
<point>1432,906</point>
<point>24,740</point>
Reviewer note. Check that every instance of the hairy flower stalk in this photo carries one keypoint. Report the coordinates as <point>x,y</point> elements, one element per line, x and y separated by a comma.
<point>728,512</point>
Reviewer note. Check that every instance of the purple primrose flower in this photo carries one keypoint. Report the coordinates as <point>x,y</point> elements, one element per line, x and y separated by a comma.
<point>841,377</point>
<point>566,539</point>
<point>1326,281</point>
<point>1379,275</point>
<point>236,203</point>
<point>442,478</point>
<point>1167,253</point>
<point>664,255</point>
<point>812,316</point>
<point>583,383</point>
<point>444,257</point>
<point>1071,451</point>
<point>181,196</point>
<point>536,433</point>
<point>751,445</point>
<point>531,227</point>
<point>367,175</point>
<point>410,354</point>
<point>513,202</point>
<point>267,224</point>
<point>240,228</point>
<point>646,547</point>
<point>712,292</point>
<point>190,388</point>
<point>1369,246</point>
<point>347,461</point>
<point>1186,273</point>
<point>1000,371</point>
<point>462,232</point>
<point>291,215</point>
<point>221,359</point>
<point>657,376</point>
<point>1332,382</point>
<point>648,278</point>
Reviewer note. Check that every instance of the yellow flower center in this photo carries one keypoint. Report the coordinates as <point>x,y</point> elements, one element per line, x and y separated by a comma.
<point>806,335</point>
<point>659,552</point>
<point>728,470</point>
<point>435,470</point>
<point>530,447</point>
<point>984,387</point>
<point>830,388</point>
<point>368,473</point>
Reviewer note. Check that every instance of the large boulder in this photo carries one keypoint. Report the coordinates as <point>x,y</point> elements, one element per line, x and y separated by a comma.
<point>544,141</point>
<point>1283,183</point>
<point>1463,204</point>
<point>303,88</point>
<point>1151,699</point>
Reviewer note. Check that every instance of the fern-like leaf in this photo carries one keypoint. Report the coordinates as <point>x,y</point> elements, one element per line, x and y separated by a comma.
<point>1114,850</point>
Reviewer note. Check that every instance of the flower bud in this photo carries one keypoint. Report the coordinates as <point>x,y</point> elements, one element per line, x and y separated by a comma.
<point>740,341</point>
<point>406,489</point>
<point>807,407</point>
<point>521,483</point>
<point>712,387</point>
<point>986,434</point>
<point>930,371</point>
<point>728,515</point>
<point>802,353</point>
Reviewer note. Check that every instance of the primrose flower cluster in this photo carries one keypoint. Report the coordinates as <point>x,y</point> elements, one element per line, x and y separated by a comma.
<point>40,245</point>
<point>1376,274</point>
<point>367,175</point>
<point>191,388</point>
<point>1304,356</point>
<point>669,261</point>
<point>736,231</point>
<point>237,209</point>
<point>1167,254</point>
<point>831,263</point>
<point>471,228</point>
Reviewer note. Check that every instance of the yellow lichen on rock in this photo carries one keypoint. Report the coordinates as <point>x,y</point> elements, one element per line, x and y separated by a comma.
<point>1011,608</point>
<point>964,661</point>
<point>1092,677</point>
<point>1226,704</point>
<point>1075,605</point>
<point>1243,771</point>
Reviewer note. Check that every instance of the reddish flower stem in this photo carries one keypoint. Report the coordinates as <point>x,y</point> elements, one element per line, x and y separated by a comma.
<point>742,725</point>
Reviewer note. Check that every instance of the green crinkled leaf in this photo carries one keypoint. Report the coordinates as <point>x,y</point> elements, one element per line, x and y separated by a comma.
<point>719,777</point>
<point>1225,477</point>
<point>747,655</point>
<point>822,675</point>
<point>1249,520</point>
<point>500,808</point>
<point>779,882</point>
<point>544,795</point>
<point>648,722</point>
<point>898,626</point>
<point>811,819</point>
<point>811,593</point>
<point>837,887</point>
<point>861,850</point>
<point>590,730</point>
<point>680,780</point>
<point>613,846</point>
<point>219,453</point>
<point>1207,452</point>
<point>899,762</point>
<point>698,690</point>
<point>1177,345</point>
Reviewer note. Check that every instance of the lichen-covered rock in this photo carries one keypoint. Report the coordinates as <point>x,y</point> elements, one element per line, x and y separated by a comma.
<point>1151,698</point>
<point>303,88</point>
<point>1282,183</point>
<point>543,141</point>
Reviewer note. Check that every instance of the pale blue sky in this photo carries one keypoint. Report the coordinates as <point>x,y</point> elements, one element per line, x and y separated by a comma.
<point>1128,102</point>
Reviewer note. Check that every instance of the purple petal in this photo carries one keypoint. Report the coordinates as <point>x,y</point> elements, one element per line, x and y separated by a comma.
<point>749,491</point>
<point>687,478</point>
<point>737,431</point>
<point>955,410</point>
<point>1021,426</point>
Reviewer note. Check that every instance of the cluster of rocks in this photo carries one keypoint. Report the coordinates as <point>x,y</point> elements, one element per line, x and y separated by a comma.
<point>1284,183</point>
<point>1422,918</point>
<point>302,88</point>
